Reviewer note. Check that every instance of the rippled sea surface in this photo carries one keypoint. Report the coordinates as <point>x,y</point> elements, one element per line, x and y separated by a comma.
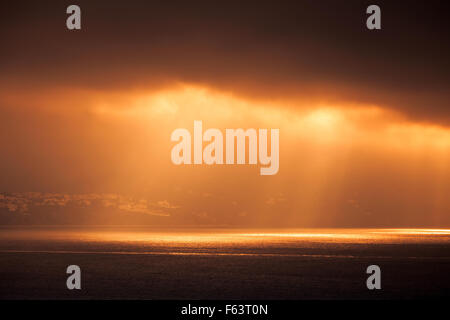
<point>188,263</point>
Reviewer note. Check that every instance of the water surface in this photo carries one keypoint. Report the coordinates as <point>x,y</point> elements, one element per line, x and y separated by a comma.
<point>205,263</point>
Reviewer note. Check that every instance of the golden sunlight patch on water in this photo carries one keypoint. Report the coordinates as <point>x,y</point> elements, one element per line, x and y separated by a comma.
<point>414,231</point>
<point>226,237</point>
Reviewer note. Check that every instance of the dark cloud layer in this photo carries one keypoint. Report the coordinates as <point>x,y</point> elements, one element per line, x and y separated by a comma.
<point>317,49</point>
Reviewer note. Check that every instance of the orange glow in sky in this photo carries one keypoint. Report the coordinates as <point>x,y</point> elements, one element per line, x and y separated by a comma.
<point>339,164</point>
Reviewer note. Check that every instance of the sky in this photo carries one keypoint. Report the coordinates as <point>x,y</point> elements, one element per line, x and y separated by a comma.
<point>363,115</point>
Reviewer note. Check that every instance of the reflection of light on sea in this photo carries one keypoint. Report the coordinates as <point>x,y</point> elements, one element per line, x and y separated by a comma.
<point>192,238</point>
<point>221,238</point>
<point>414,231</point>
<point>303,235</point>
<point>240,238</point>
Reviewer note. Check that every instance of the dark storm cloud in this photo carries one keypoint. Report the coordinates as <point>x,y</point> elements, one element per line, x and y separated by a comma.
<point>315,49</point>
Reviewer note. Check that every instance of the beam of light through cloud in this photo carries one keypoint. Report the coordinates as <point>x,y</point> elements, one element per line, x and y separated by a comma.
<point>340,164</point>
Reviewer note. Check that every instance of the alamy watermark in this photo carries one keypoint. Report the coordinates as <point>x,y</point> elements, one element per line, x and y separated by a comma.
<point>213,153</point>
<point>74,280</point>
<point>374,280</point>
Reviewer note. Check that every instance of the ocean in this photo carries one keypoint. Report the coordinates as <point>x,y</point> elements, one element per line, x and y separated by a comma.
<point>221,263</point>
